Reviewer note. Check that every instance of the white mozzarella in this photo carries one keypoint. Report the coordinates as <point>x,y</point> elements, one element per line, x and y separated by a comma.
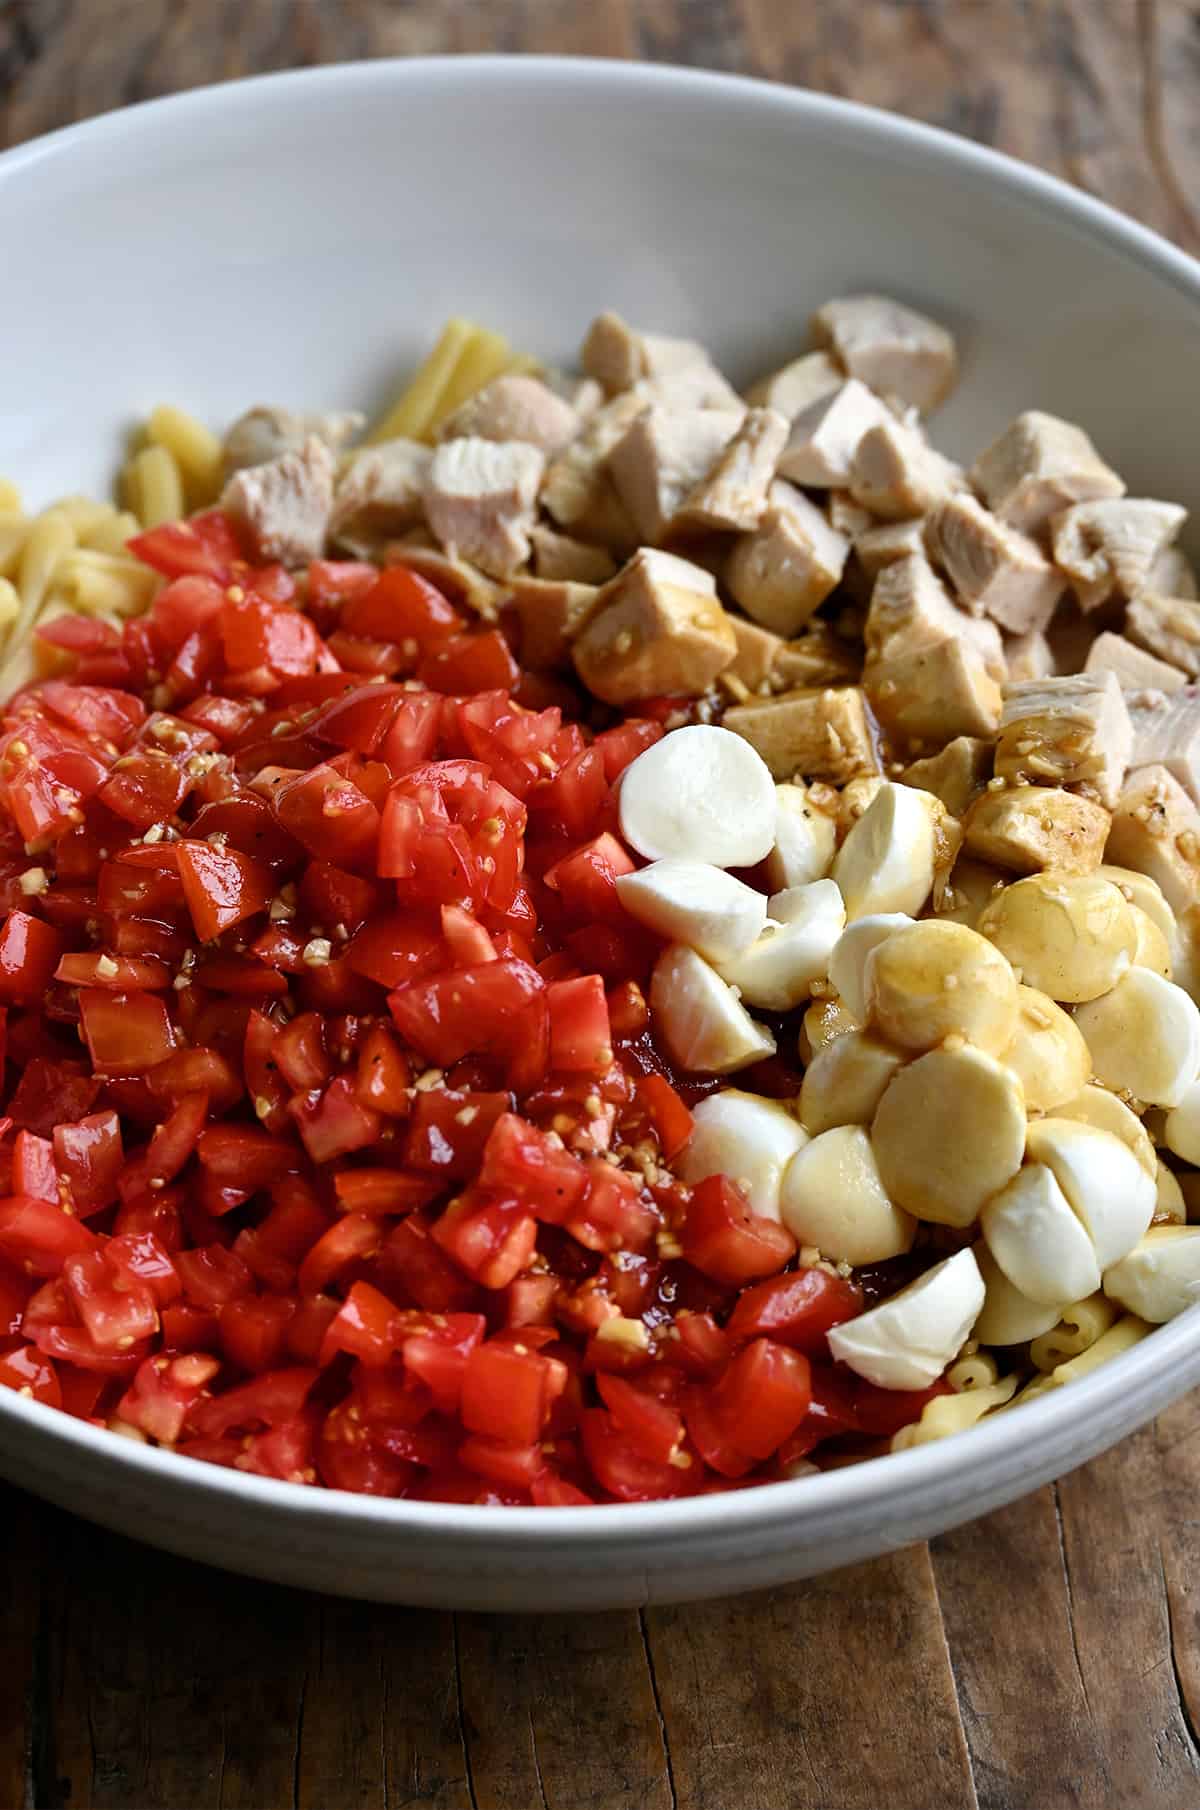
<point>1038,1241</point>
<point>700,794</point>
<point>845,1080</point>
<point>948,1133</point>
<point>1181,1133</point>
<point>747,1138</point>
<point>777,971</point>
<point>1108,1189</point>
<point>805,840</point>
<point>702,1023</point>
<point>1144,1037</point>
<point>1161,1276</point>
<point>695,903</point>
<point>832,1198</point>
<point>906,1342</point>
<point>886,862</point>
<point>1009,1317</point>
<point>852,951</point>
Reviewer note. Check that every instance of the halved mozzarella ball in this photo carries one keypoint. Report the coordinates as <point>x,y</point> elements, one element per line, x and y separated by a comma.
<point>824,1021</point>
<point>1106,1186</point>
<point>1038,1240</point>
<point>695,903</point>
<point>703,1025</point>
<point>1095,1106</point>
<point>937,980</point>
<point>1153,949</point>
<point>887,861</point>
<point>832,1197</point>
<point>972,885</point>
<point>1181,1133</point>
<point>701,794</point>
<point>1161,1275</point>
<point>805,840</point>
<point>1170,1208</point>
<point>747,1138</point>
<point>1140,890</point>
<point>777,971</point>
<point>907,1341</point>
<point>1144,1037</point>
<point>1047,1052</point>
<point>1008,1317</point>
<point>853,950</point>
<point>1070,935</point>
<point>948,1133</point>
<point>844,1082</point>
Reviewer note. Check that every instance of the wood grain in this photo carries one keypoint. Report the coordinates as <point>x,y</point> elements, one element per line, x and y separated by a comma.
<point>1046,1657</point>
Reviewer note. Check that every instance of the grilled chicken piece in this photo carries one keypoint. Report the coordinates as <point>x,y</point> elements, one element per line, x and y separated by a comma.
<point>618,355</point>
<point>1036,829</point>
<point>877,547</point>
<point>758,651</point>
<point>824,734</point>
<point>1108,549</point>
<point>1156,831</point>
<point>788,566</point>
<point>284,505</point>
<point>896,474</point>
<point>825,436</point>
<point>1071,731</point>
<point>481,501</point>
<point>515,407</point>
<point>1038,467</point>
<point>655,629</point>
<point>911,608</point>
<point>380,493</point>
<point>266,433</point>
<point>561,556</point>
<point>551,612</point>
<point>895,350</point>
<point>1166,733</point>
<point>733,493</point>
<point>991,567</point>
<point>661,458</point>
<point>1168,627</point>
<point>792,388</point>
<point>578,491</point>
<point>934,693</point>
<point>1029,656</point>
<point>1136,670</point>
<point>957,775</point>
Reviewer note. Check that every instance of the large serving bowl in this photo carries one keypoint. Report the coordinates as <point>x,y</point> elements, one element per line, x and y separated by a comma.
<point>299,239</point>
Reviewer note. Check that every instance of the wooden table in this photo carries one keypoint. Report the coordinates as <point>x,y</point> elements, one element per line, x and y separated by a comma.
<point>1046,1657</point>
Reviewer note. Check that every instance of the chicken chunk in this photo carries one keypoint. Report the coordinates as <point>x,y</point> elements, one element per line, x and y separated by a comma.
<point>266,433</point>
<point>733,493</point>
<point>818,657</point>
<point>1168,627</point>
<point>1070,731</point>
<point>847,516</point>
<point>618,355</point>
<point>911,608</point>
<point>934,693</point>
<point>992,568</point>
<point>656,628</point>
<point>788,566</point>
<point>284,505</point>
<point>692,387</point>
<point>825,436</point>
<point>1029,656</point>
<point>1108,549</point>
<point>1173,574</point>
<point>661,459</point>
<point>481,501</point>
<point>957,775</point>
<point>578,491</point>
<point>561,556</point>
<point>896,474</point>
<point>380,493</point>
<point>877,547</point>
<point>1135,669</point>
<point>1166,733</point>
<point>792,388</point>
<point>893,349</point>
<point>1156,831</point>
<point>758,651</point>
<point>1034,829</point>
<point>551,612</point>
<point>826,734</point>
<point>515,407</point>
<point>1038,467</point>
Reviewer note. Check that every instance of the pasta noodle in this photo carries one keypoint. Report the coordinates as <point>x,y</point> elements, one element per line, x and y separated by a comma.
<point>95,583</point>
<point>194,448</point>
<point>14,532</point>
<point>947,1414</point>
<point>1081,1325</point>
<point>84,513</point>
<point>485,357</point>
<point>154,486</point>
<point>1126,1333</point>
<point>10,496</point>
<point>459,349</point>
<point>110,535</point>
<point>978,1371</point>
<point>10,605</point>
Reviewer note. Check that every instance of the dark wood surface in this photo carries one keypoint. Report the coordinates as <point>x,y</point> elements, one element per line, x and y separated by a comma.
<point>1046,1658</point>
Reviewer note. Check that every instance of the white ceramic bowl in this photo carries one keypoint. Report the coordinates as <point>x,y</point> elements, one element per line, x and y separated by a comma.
<point>299,239</point>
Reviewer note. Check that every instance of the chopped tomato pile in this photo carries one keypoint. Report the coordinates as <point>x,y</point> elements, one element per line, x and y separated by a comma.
<point>336,1147</point>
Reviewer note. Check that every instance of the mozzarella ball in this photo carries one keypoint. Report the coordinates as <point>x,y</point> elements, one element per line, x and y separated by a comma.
<point>1170,1208</point>
<point>805,840</point>
<point>936,980</point>
<point>1105,1185</point>
<point>1181,1133</point>
<point>852,952</point>
<point>1070,935</point>
<point>777,971</point>
<point>948,1133</point>
<point>1153,950</point>
<point>832,1197</point>
<point>1038,1240</point>
<point>1047,1052</point>
<point>747,1138</point>
<point>695,903</point>
<point>1144,1037</point>
<point>1140,890</point>
<point>1095,1106</point>
<point>844,1082</point>
<point>703,1025</point>
<point>972,885</point>
<point>907,1341</point>
<point>824,1021</point>
<point>1161,1275</point>
<point>1008,1317</point>
<point>700,794</point>
<point>887,861</point>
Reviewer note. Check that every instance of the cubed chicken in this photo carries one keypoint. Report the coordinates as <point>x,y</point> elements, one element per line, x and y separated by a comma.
<point>927,697</point>
<point>758,651</point>
<point>818,657</point>
<point>896,474</point>
<point>1168,627</point>
<point>895,350</point>
<point>957,775</point>
<point>655,629</point>
<point>1070,731</point>
<point>578,491</point>
<point>880,546</point>
<point>825,436</point>
<point>792,388</point>
<point>1156,831</point>
<point>618,355</point>
<point>1166,733</point>
<point>284,505</point>
<point>847,516</point>
<point>380,493</point>
<point>911,608</point>
<point>826,734</point>
<point>551,612</point>
<point>1108,549</point>
<point>1135,669</point>
<point>1038,467</point>
<point>993,569</point>
<point>733,494</point>
<point>1173,574</point>
<point>787,567</point>
<point>562,556</point>
<point>661,458</point>
<point>692,387</point>
<point>481,501</point>
<point>1036,829</point>
<point>266,433</point>
<point>463,583</point>
<point>1029,656</point>
<point>515,407</point>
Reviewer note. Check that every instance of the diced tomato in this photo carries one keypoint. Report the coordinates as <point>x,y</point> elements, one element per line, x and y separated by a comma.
<point>413,1266</point>
<point>116,1311</point>
<point>652,1426</point>
<point>253,1330</point>
<point>490,1235</point>
<point>264,1401</point>
<point>533,1167</point>
<point>31,1374</point>
<point>164,1392</point>
<point>39,1237</point>
<point>34,1170</point>
<point>327,813</point>
<point>508,1391</point>
<point>222,886</point>
<point>586,881</point>
<point>624,1472</point>
<point>669,1116</point>
<point>90,1156</point>
<point>334,1122</point>
<point>726,1241</point>
<point>619,746</point>
<point>477,661</point>
<point>465,1010</point>
<point>30,951</point>
<point>762,1397</point>
<point>796,1309</point>
<point>127,1033</point>
<point>206,544</point>
<point>211,1276</point>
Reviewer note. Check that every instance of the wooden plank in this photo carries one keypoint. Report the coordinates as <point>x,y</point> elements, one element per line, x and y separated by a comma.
<point>20,1621</point>
<point>836,1692</point>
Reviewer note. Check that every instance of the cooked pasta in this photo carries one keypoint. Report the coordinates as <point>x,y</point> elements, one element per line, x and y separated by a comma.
<point>194,447</point>
<point>1126,1333</point>
<point>979,1371</point>
<point>153,486</point>
<point>14,532</point>
<point>947,1414</point>
<point>84,513</point>
<point>1079,1328</point>
<point>485,356</point>
<point>96,583</point>
<point>110,535</point>
<point>10,495</point>
<point>461,347</point>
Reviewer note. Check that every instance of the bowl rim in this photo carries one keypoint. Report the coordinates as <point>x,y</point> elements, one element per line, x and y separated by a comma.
<point>810,1501</point>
